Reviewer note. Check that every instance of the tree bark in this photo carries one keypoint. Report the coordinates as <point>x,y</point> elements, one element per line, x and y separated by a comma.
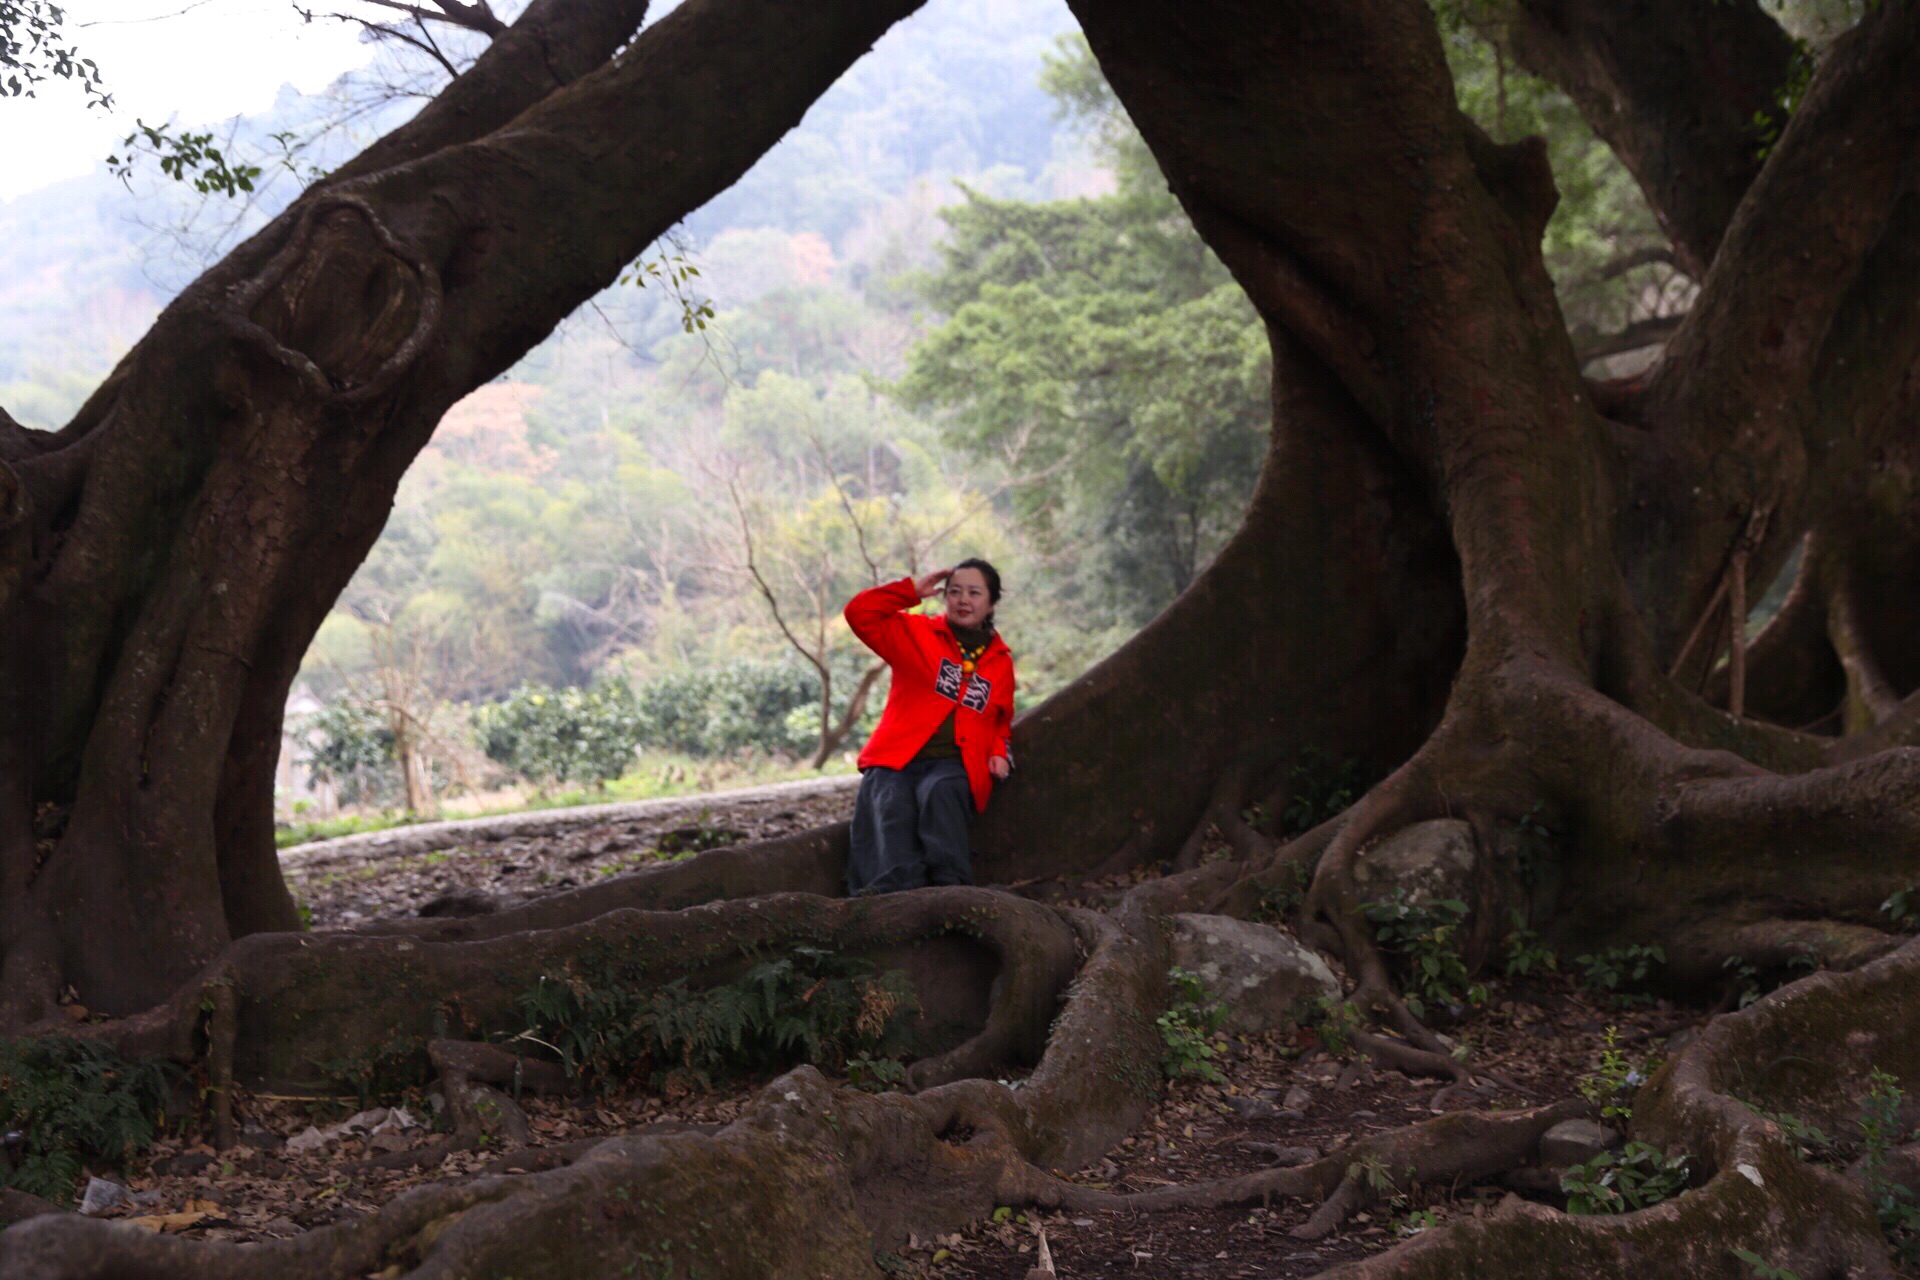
<point>1462,561</point>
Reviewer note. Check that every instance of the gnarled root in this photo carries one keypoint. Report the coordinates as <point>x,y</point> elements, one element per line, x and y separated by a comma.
<point>1806,1049</point>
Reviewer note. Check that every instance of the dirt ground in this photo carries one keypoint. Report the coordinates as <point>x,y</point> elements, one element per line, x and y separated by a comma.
<point>341,883</point>
<point>1284,1097</point>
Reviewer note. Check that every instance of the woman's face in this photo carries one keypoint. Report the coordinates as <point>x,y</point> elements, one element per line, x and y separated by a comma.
<point>967,601</point>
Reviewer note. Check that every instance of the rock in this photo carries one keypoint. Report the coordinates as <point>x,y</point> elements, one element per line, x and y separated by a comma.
<point>1576,1142</point>
<point>1299,1098</point>
<point>1265,977</point>
<point>1253,1108</point>
<point>102,1195</point>
<point>1429,860</point>
<point>308,1139</point>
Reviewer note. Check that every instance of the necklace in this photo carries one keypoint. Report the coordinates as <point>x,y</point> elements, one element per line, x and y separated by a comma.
<point>970,654</point>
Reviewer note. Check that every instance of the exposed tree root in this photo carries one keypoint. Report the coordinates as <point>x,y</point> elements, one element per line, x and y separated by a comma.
<point>1807,1049</point>
<point>1465,1146</point>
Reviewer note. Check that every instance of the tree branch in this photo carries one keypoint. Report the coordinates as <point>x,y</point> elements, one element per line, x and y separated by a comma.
<point>1674,89</point>
<point>1797,243</point>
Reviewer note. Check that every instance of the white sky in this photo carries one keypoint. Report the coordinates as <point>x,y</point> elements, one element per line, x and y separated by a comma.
<point>162,60</point>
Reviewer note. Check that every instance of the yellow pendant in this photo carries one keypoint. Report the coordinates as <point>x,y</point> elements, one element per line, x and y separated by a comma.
<point>967,666</point>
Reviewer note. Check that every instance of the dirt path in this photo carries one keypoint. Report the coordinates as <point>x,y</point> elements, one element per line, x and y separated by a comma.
<point>449,868</point>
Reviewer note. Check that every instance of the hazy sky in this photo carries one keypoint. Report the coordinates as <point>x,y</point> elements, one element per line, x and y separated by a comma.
<point>166,60</point>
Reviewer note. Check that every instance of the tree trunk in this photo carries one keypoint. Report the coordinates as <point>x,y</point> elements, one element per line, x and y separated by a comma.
<point>170,553</point>
<point>1463,561</point>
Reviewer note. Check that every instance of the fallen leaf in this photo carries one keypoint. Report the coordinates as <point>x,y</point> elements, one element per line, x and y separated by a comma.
<point>171,1223</point>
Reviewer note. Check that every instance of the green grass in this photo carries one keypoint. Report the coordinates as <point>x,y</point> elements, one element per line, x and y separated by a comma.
<point>658,777</point>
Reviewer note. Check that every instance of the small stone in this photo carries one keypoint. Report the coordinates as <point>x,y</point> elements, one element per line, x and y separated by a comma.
<point>184,1165</point>
<point>1299,1098</point>
<point>1253,1108</point>
<point>1576,1142</point>
<point>102,1195</point>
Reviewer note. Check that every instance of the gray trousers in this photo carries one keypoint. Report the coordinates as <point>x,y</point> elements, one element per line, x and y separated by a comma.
<point>911,828</point>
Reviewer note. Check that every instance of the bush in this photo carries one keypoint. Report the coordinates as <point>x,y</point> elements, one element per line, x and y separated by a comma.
<point>563,735</point>
<point>1423,935</point>
<point>75,1103</point>
<point>770,706</point>
<point>351,743</point>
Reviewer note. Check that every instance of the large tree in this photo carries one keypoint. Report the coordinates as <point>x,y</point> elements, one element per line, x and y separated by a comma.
<point>1463,556</point>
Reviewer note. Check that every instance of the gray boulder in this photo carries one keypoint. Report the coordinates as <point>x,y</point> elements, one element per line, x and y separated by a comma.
<point>1262,974</point>
<point>1429,860</point>
<point>1576,1142</point>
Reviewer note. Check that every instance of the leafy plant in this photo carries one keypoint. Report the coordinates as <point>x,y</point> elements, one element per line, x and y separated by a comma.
<point>1902,908</point>
<point>1742,977</point>
<point>1339,1020</point>
<point>1526,953</point>
<point>875,1075</point>
<point>1188,1026</point>
<point>1810,1142</point>
<point>185,157</point>
<point>379,1072</point>
<point>1423,935</point>
<point>810,1005</point>
<point>1880,1132</point>
<point>1322,787</point>
<point>1635,1176</point>
<point>1277,900</point>
<point>76,1103</point>
<point>1615,971</point>
<point>1612,1087</point>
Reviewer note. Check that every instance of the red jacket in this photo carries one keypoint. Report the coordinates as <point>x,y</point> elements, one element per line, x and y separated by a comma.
<point>928,684</point>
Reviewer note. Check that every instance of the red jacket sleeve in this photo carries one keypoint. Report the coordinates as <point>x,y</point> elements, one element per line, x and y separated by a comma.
<point>878,616</point>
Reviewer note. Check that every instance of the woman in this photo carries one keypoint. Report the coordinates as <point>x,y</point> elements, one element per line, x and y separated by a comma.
<point>942,741</point>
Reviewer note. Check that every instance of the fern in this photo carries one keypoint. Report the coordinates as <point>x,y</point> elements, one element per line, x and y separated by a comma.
<point>811,1005</point>
<point>76,1103</point>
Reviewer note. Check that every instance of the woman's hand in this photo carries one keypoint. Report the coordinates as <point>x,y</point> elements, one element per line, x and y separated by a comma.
<point>999,767</point>
<point>928,584</point>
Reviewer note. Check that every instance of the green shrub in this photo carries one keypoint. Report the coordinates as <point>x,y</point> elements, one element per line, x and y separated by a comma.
<point>1188,1026</point>
<point>351,743</point>
<point>562,735</point>
<point>76,1104</point>
<point>1526,953</point>
<point>1635,1176</point>
<point>1880,1132</point>
<point>810,1006</point>
<point>1423,935</point>
<point>769,706</point>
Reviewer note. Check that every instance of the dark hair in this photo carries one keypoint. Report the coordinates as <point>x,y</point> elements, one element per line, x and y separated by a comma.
<point>987,571</point>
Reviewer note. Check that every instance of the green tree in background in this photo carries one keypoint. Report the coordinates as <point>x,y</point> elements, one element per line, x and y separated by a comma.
<point>1100,346</point>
